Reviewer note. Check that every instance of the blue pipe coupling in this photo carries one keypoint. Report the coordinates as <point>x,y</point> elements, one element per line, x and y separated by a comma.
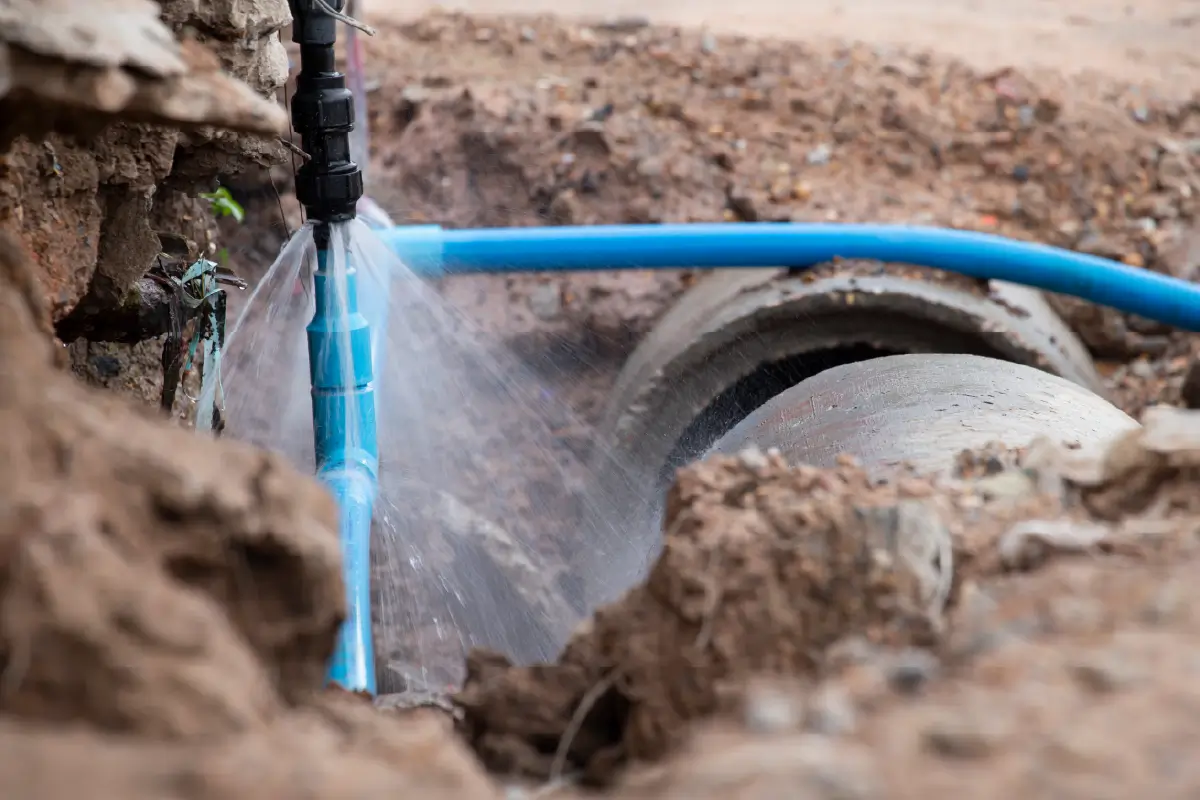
<point>347,453</point>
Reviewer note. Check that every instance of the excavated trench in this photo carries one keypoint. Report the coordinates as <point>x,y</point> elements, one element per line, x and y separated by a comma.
<point>168,603</point>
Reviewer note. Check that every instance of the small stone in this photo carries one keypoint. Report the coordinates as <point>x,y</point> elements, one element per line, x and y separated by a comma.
<point>545,301</point>
<point>820,155</point>
<point>769,709</point>
<point>1142,368</point>
<point>911,670</point>
<point>964,736</point>
<point>1105,671</point>
<point>754,458</point>
<point>528,34</point>
<point>708,44</point>
<point>831,712</point>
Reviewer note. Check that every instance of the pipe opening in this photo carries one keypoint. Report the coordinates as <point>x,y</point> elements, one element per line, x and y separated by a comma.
<point>768,380</point>
<point>754,390</point>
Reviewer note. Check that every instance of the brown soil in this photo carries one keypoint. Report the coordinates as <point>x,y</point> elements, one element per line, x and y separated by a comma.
<point>979,638</point>
<point>533,122</point>
<point>168,603</point>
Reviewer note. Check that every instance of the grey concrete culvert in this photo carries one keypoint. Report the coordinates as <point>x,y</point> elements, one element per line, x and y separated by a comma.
<point>923,410</point>
<point>741,337</point>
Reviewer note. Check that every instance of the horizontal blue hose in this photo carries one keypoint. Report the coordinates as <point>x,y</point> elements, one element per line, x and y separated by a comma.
<point>432,251</point>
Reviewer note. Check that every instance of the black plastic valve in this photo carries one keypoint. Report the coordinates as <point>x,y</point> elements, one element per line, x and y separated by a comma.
<point>328,184</point>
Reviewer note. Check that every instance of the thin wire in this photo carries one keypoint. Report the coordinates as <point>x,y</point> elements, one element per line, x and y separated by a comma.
<point>291,149</point>
<point>279,201</point>
<point>340,17</point>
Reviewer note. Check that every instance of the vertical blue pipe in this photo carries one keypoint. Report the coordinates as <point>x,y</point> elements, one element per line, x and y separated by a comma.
<point>347,455</point>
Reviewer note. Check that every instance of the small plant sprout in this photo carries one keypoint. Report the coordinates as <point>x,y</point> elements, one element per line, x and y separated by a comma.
<point>223,204</point>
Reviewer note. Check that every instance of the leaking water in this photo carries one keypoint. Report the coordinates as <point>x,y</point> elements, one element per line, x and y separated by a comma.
<point>487,531</point>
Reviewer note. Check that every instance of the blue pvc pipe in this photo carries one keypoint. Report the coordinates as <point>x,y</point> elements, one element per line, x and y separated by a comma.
<point>347,454</point>
<point>432,251</point>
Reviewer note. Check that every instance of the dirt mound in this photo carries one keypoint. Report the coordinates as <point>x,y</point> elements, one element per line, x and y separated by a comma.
<point>1058,676</point>
<point>327,752</point>
<point>125,539</point>
<point>168,605</point>
<point>641,124</point>
<point>819,575</point>
<point>750,580</point>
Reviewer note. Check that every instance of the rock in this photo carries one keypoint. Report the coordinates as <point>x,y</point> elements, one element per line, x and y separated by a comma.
<point>55,73</point>
<point>229,20</point>
<point>964,736</point>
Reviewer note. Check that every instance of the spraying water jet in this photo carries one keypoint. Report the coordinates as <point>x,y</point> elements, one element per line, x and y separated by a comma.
<point>341,362</point>
<point>364,306</point>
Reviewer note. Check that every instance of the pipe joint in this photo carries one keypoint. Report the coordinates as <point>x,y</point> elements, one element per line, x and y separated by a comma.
<point>355,468</point>
<point>328,184</point>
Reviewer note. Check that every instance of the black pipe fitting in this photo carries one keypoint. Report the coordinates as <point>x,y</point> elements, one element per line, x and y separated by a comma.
<point>329,184</point>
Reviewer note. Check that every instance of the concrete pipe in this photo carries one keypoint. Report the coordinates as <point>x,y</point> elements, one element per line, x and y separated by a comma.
<point>740,337</point>
<point>923,410</point>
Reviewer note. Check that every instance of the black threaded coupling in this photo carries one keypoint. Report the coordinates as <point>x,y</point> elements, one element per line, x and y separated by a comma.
<point>329,184</point>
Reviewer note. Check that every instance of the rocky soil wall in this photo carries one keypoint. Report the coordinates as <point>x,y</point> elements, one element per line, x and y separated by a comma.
<point>90,206</point>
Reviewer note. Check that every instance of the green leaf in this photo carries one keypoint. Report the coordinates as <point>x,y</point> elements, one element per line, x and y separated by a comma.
<point>223,204</point>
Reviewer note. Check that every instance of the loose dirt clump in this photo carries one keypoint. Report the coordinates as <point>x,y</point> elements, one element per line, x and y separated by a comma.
<point>119,554</point>
<point>1066,669</point>
<point>168,605</point>
<point>762,569</point>
<point>850,593</point>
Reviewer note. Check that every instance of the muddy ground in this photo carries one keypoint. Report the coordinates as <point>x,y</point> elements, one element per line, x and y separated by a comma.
<point>169,603</point>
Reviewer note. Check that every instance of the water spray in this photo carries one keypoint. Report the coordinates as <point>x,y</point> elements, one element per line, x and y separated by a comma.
<point>329,185</point>
<point>460,565</point>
